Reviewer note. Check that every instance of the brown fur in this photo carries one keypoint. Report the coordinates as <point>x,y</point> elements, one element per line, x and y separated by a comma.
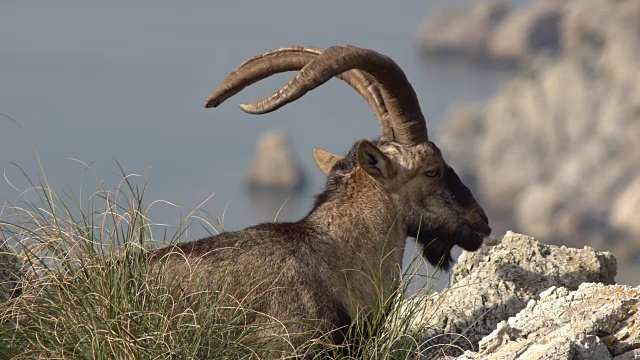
<point>316,274</point>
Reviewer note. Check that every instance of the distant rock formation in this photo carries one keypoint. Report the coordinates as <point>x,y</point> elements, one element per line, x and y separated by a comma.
<point>492,30</point>
<point>462,29</point>
<point>556,150</point>
<point>525,32</point>
<point>274,166</point>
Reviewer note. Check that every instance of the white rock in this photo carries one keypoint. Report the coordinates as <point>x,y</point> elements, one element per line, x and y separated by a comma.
<point>496,282</point>
<point>274,166</point>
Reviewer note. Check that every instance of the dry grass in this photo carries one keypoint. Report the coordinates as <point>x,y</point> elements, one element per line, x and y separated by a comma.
<point>88,291</point>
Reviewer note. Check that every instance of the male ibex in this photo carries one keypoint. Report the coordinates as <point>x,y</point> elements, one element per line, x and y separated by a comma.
<point>318,272</point>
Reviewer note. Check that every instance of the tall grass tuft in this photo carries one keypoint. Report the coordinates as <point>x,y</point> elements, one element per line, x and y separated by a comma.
<point>88,291</point>
<point>394,329</point>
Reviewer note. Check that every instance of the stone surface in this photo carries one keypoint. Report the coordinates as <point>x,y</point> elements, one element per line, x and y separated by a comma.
<point>274,166</point>
<point>498,281</point>
<point>593,322</point>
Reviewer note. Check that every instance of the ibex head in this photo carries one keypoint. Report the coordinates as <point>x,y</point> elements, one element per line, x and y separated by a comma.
<point>433,204</point>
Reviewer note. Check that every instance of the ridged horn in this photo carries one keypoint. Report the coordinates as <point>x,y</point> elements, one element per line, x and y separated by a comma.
<point>398,95</point>
<point>295,58</point>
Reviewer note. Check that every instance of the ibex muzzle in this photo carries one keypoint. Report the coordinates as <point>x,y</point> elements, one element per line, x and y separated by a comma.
<point>347,251</point>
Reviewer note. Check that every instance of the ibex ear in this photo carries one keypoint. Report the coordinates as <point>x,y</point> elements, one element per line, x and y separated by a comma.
<point>325,160</point>
<point>373,161</point>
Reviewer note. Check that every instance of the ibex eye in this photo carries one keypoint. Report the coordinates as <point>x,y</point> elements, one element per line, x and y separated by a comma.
<point>433,173</point>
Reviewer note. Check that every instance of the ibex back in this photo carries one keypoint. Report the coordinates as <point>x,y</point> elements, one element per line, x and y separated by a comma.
<point>315,274</point>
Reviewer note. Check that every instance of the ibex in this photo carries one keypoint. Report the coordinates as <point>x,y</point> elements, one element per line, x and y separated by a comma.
<point>317,273</point>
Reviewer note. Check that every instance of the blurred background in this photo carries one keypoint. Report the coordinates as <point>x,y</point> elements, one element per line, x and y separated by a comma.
<point>535,103</point>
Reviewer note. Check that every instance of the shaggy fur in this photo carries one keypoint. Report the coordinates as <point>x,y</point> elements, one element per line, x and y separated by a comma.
<point>316,274</point>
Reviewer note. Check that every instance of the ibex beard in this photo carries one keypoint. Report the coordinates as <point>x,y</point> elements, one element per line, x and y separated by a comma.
<point>314,276</point>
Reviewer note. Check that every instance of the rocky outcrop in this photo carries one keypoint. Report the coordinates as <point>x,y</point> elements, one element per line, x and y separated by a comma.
<point>593,322</point>
<point>462,29</point>
<point>523,33</point>
<point>555,151</point>
<point>274,166</point>
<point>491,30</point>
<point>498,281</point>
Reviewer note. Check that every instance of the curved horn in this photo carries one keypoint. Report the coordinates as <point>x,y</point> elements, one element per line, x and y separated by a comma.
<point>399,97</point>
<point>295,58</point>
